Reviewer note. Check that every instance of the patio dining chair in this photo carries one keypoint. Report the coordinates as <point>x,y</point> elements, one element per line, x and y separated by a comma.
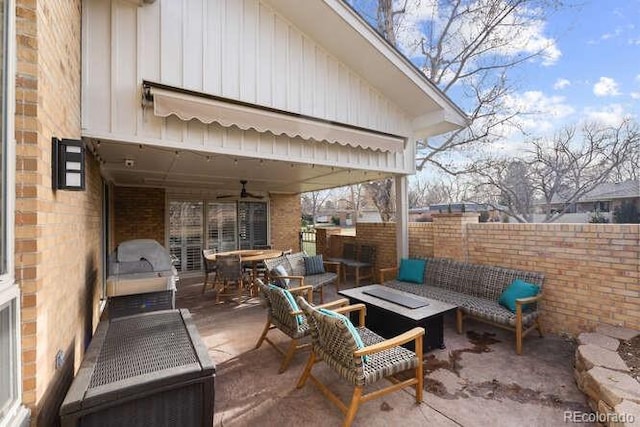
<point>231,280</point>
<point>360,356</point>
<point>209,268</point>
<point>283,314</point>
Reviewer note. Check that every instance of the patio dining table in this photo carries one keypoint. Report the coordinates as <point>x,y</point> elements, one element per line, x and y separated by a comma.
<point>254,256</point>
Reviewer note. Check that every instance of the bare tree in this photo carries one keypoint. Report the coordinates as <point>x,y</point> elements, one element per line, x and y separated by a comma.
<point>505,184</point>
<point>382,195</point>
<point>471,48</point>
<point>558,171</point>
<point>313,201</point>
<point>423,193</point>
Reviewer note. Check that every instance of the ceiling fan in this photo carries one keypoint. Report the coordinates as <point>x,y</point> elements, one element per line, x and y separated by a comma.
<point>243,193</point>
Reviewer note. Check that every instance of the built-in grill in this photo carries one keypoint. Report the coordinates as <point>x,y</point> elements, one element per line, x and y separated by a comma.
<point>141,278</point>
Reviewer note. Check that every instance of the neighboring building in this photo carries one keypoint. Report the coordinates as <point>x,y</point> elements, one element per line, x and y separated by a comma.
<point>603,200</point>
<point>176,102</point>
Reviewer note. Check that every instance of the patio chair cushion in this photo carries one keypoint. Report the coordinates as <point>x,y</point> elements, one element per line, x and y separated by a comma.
<point>296,261</point>
<point>517,289</point>
<point>411,270</point>
<point>313,265</point>
<point>280,281</point>
<point>354,332</point>
<point>293,305</point>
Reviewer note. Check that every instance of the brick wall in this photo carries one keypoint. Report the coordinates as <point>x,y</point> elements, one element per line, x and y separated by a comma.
<point>592,271</point>
<point>57,234</point>
<point>140,214</point>
<point>285,213</point>
<point>421,239</point>
<point>449,234</point>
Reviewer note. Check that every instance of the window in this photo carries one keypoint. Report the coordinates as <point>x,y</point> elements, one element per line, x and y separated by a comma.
<point>11,410</point>
<point>224,226</point>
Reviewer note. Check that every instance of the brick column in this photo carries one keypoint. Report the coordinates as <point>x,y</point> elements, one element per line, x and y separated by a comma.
<point>450,234</point>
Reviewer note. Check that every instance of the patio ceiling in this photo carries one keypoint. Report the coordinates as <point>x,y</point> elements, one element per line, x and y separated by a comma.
<point>127,164</point>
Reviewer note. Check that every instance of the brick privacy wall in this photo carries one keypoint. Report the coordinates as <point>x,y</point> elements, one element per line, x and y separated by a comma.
<point>325,242</point>
<point>140,214</point>
<point>421,239</point>
<point>57,233</point>
<point>285,211</point>
<point>592,271</point>
<point>449,234</point>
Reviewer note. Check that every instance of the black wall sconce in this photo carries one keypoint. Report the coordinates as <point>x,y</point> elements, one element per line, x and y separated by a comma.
<point>67,162</point>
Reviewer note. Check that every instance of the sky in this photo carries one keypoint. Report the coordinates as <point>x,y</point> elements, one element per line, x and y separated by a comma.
<point>591,70</point>
<point>596,75</point>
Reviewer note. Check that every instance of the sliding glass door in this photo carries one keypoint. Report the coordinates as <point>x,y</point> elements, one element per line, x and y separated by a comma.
<point>223,226</point>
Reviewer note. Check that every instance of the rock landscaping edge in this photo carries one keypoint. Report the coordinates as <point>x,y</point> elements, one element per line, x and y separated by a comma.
<point>600,373</point>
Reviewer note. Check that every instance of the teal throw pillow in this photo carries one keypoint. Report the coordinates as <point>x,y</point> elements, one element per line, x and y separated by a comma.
<point>412,270</point>
<point>291,300</point>
<point>517,289</point>
<point>313,265</point>
<point>279,280</point>
<point>350,328</point>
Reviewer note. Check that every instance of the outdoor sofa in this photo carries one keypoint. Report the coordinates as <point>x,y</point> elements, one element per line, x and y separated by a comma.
<point>305,270</point>
<point>476,290</point>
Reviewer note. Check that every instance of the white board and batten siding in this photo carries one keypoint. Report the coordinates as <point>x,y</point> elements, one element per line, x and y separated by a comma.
<point>239,49</point>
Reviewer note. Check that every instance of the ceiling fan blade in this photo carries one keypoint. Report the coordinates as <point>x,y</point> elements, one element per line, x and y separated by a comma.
<point>254,196</point>
<point>226,196</point>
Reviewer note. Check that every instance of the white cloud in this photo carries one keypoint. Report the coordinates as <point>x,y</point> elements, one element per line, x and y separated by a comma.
<point>606,86</point>
<point>540,114</point>
<point>522,33</point>
<point>561,84</point>
<point>610,115</point>
<point>635,95</point>
<point>638,78</point>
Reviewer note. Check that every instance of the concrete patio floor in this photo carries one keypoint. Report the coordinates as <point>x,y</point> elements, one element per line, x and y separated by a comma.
<point>478,380</point>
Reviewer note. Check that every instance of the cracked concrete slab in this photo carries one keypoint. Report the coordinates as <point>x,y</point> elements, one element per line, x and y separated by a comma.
<point>477,380</point>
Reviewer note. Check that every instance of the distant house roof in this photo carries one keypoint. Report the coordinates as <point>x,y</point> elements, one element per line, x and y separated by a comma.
<point>613,190</point>
<point>457,207</point>
<point>607,191</point>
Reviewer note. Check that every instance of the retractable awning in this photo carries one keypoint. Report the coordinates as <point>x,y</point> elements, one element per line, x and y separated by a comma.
<point>189,105</point>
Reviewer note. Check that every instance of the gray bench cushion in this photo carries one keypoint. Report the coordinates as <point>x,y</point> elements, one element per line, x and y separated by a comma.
<point>318,280</point>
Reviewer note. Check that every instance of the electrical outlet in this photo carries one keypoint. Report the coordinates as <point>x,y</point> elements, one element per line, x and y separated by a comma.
<point>59,359</point>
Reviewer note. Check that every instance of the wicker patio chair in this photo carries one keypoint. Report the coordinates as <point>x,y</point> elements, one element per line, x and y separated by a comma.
<point>230,277</point>
<point>209,268</point>
<point>292,323</point>
<point>335,344</point>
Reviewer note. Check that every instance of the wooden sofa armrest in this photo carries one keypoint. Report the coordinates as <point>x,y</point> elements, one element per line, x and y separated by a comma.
<point>529,300</point>
<point>383,272</point>
<point>334,263</point>
<point>342,302</point>
<point>519,303</point>
<point>299,278</point>
<point>301,290</point>
<point>355,307</point>
<point>411,335</point>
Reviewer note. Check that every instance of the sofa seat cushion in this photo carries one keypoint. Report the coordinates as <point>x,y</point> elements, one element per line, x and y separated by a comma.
<point>493,311</point>
<point>318,280</point>
<point>444,295</point>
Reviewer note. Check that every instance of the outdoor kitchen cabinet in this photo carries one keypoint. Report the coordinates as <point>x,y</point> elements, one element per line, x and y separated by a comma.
<point>150,369</point>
